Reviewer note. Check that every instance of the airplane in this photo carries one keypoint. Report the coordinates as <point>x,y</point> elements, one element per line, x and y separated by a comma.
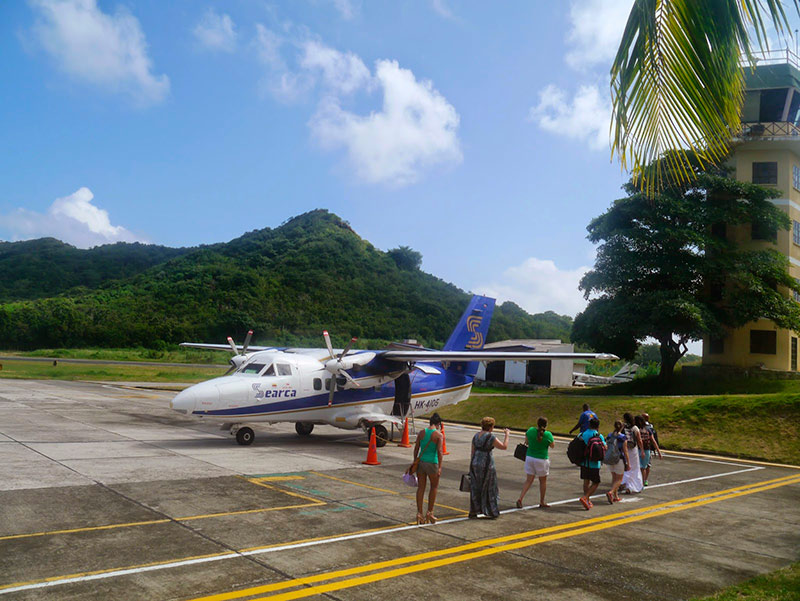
<point>347,388</point>
<point>626,373</point>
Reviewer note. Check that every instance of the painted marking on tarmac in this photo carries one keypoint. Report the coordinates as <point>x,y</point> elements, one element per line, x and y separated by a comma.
<point>114,572</point>
<point>311,502</point>
<point>487,547</point>
<point>278,478</point>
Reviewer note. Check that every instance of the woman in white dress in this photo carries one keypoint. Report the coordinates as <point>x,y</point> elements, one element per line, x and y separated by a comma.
<point>632,480</point>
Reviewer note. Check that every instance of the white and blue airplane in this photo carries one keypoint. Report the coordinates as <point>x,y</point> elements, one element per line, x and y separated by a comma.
<point>347,388</point>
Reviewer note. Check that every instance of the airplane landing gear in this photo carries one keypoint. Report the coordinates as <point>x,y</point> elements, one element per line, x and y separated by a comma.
<point>303,428</point>
<point>381,435</point>
<point>245,436</point>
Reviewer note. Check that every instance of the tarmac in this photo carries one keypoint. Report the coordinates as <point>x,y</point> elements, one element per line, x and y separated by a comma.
<point>107,493</point>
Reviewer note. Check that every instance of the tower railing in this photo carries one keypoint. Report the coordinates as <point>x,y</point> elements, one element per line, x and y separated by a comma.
<point>770,129</point>
<point>772,57</point>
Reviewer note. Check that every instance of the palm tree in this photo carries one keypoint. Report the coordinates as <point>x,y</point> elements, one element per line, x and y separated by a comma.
<point>677,82</point>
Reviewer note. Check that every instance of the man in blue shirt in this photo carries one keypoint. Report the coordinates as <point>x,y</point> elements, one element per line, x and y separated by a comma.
<point>583,420</point>
<point>590,470</point>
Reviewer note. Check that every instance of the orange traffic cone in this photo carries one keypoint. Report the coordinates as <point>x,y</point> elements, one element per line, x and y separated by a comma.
<point>372,452</point>
<point>404,441</point>
<point>444,442</point>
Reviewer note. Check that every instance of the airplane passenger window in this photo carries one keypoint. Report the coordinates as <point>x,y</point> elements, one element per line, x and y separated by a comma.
<point>317,384</point>
<point>252,368</point>
<point>328,384</point>
<point>284,370</point>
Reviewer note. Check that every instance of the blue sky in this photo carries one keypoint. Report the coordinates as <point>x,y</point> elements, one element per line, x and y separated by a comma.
<point>473,132</point>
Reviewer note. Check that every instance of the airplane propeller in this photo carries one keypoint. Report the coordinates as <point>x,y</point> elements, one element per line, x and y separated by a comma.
<point>335,365</point>
<point>238,357</point>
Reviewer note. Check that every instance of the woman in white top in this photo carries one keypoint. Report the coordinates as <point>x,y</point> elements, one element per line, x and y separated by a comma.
<point>632,480</point>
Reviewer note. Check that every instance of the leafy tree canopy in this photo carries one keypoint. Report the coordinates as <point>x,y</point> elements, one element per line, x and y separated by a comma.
<point>664,270</point>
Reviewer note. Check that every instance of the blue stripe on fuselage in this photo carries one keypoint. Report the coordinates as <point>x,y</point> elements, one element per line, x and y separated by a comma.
<point>420,384</point>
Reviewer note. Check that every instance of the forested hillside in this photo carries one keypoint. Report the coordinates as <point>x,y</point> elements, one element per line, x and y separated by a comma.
<point>287,283</point>
<point>48,267</point>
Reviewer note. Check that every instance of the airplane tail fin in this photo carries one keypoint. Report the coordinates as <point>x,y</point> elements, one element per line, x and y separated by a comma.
<point>472,328</point>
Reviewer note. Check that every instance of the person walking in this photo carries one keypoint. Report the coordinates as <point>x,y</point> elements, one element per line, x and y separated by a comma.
<point>583,419</point>
<point>483,493</point>
<point>430,466</point>
<point>537,461</point>
<point>649,446</point>
<point>590,469</point>
<point>632,479</point>
<point>617,468</point>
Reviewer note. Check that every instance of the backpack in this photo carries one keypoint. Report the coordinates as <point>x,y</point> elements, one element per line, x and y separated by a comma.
<point>647,442</point>
<point>576,451</point>
<point>612,455</point>
<point>629,435</point>
<point>594,448</point>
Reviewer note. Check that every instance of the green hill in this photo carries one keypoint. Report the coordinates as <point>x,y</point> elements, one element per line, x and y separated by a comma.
<point>288,284</point>
<point>48,267</point>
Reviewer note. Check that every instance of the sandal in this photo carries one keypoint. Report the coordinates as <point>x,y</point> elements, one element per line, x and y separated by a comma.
<point>420,519</point>
<point>430,518</point>
<point>610,498</point>
<point>585,503</point>
<point>519,504</point>
<point>544,506</point>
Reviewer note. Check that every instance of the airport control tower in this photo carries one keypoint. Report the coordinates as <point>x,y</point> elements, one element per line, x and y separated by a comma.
<point>767,151</point>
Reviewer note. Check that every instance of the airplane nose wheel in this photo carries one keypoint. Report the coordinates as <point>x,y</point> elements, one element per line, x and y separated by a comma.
<point>381,435</point>
<point>303,428</point>
<point>245,436</point>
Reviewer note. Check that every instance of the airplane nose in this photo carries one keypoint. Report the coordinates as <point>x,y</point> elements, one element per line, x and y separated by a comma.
<point>184,401</point>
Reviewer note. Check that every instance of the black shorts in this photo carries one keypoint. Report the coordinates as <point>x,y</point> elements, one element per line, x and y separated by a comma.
<point>590,473</point>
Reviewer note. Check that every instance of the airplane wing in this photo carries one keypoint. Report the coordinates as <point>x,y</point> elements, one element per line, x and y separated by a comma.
<point>486,355</point>
<point>225,347</point>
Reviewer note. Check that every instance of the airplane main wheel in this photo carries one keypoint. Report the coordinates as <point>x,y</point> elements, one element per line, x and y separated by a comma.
<point>303,428</point>
<point>381,436</point>
<point>245,436</point>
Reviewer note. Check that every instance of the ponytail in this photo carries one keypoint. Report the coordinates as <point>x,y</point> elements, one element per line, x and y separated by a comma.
<point>542,424</point>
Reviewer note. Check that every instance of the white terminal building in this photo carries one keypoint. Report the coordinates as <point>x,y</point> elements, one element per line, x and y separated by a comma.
<point>552,373</point>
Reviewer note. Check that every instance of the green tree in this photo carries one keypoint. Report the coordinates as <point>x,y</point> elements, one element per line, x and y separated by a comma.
<point>676,81</point>
<point>406,257</point>
<point>663,270</point>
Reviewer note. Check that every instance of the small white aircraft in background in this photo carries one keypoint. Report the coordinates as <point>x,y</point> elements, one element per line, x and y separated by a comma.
<point>348,388</point>
<point>626,373</point>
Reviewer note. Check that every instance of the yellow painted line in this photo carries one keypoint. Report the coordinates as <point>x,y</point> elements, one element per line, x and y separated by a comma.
<point>571,530</point>
<point>312,502</point>
<point>276,478</point>
<point>87,529</point>
<point>543,535</point>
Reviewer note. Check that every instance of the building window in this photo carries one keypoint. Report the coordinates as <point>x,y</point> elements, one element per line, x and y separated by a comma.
<point>796,177</point>
<point>794,353</point>
<point>763,342</point>
<point>716,346</point>
<point>795,293</point>
<point>796,231</point>
<point>764,231</point>
<point>765,173</point>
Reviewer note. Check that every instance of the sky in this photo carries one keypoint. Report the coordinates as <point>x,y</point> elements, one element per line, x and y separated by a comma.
<point>475,133</point>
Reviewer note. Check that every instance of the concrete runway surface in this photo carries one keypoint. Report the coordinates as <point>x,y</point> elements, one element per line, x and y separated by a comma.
<point>105,493</point>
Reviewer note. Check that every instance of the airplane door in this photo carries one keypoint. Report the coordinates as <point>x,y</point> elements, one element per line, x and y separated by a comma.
<point>402,396</point>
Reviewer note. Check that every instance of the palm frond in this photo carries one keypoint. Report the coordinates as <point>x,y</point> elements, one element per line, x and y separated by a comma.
<point>677,83</point>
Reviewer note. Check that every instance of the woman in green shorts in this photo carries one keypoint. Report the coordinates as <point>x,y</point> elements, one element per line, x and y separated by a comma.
<point>537,461</point>
<point>429,450</point>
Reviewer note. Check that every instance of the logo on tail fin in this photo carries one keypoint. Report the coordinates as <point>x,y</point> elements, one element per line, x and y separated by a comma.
<point>473,323</point>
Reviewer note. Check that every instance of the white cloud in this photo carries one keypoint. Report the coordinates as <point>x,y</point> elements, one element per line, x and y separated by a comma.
<point>596,28</point>
<point>216,32</point>
<point>72,219</point>
<point>538,285</point>
<point>415,129</point>
<point>585,117</point>
<point>108,51</point>
<point>441,8</point>
<point>347,9</point>
<point>342,72</point>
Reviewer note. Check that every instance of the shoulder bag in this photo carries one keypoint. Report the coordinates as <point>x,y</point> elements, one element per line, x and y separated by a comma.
<point>412,469</point>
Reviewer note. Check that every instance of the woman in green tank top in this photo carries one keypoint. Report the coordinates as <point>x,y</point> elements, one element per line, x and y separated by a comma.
<point>429,450</point>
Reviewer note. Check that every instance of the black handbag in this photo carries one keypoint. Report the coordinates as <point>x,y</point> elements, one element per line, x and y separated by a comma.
<point>466,483</point>
<point>521,452</point>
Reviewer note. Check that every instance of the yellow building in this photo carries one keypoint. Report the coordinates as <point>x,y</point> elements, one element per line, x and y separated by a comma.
<point>767,152</point>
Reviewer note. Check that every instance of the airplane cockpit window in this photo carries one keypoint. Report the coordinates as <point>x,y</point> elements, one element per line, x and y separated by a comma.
<point>284,370</point>
<point>270,371</point>
<point>253,368</point>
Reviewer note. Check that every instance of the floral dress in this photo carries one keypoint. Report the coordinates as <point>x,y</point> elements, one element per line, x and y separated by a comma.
<point>483,494</point>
